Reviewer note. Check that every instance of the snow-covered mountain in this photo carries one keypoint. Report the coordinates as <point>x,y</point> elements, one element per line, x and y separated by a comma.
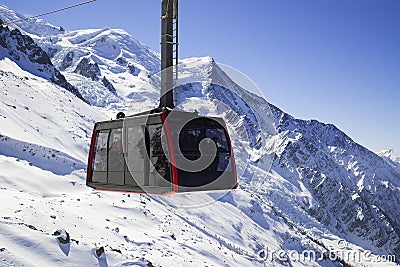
<point>29,56</point>
<point>322,188</point>
<point>354,192</point>
<point>392,157</point>
<point>391,154</point>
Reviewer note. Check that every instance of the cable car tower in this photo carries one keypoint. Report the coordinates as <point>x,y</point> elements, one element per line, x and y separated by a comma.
<point>169,54</point>
<point>164,150</point>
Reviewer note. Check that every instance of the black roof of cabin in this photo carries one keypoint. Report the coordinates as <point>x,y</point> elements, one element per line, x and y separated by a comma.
<point>148,118</point>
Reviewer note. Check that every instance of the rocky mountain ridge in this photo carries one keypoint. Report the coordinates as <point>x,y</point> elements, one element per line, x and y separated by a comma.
<point>23,50</point>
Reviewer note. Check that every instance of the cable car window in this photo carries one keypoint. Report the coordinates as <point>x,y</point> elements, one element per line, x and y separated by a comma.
<point>100,157</point>
<point>136,149</point>
<point>115,152</point>
<point>155,139</point>
<point>224,161</point>
<point>218,136</point>
<point>100,153</point>
<point>189,139</point>
<point>159,161</point>
<point>135,156</point>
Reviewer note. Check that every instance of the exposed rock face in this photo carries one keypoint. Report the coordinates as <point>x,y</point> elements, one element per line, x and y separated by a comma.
<point>88,69</point>
<point>240,101</point>
<point>133,70</point>
<point>18,44</point>
<point>108,85</point>
<point>67,61</point>
<point>23,50</point>
<point>122,61</point>
<point>51,52</point>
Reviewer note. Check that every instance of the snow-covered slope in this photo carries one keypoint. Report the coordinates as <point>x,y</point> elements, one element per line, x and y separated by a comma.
<point>322,188</point>
<point>111,59</point>
<point>36,111</point>
<point>43,149</point>
<point>133,229</point>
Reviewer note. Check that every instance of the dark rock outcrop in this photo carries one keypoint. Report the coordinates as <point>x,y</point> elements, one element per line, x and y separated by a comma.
<point>133,70</point>
<point>51,52</point>
<point>109,85</point>
<point>122,61</point>
<point>88,69</point>
<point>67,61</point>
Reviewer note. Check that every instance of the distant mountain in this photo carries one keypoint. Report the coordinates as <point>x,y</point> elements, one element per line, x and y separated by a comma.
<point>392,157</point>
<point>304,185</point>
<point>35,27</point>
<point>391,154</point>
<point>94,54</point>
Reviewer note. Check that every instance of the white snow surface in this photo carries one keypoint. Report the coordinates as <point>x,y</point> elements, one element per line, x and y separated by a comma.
<point>44,140</point>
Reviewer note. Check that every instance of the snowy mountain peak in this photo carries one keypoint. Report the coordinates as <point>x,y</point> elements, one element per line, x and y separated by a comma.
<point>109,47</point>
<point>392,157</point>
<point>391,154</point>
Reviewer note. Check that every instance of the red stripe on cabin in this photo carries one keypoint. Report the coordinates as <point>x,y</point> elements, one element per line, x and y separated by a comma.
<point>90,161</point>
<point>228,139</point>
<point>171,152</point>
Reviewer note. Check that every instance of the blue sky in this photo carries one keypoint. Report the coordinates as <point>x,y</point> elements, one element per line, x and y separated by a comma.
<point>337,61</point>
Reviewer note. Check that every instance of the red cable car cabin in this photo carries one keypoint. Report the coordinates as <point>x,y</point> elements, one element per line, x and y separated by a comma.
<point>150,152</point>
<point>153,153</point>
